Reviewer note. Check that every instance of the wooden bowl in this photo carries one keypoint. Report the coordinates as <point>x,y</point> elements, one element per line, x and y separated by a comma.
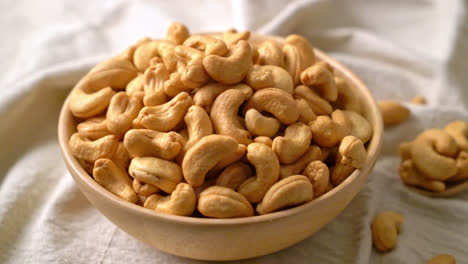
<point>228,239</point>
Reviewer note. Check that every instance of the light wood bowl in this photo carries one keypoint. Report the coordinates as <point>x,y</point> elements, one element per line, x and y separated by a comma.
<point>229,239</point>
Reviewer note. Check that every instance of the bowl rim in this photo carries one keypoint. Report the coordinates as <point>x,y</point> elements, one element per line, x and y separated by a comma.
<point>373,149</point>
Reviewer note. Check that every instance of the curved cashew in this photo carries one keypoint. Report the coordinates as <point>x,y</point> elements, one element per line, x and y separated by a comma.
<point>269,76</point>
<point>146,142</point>
<point>224,115</point>
<point>347,98</point>
<point>193,75</point>
<point>222,202</point>
<point>340,172</point>
<point>182,201</point>
<point>277,102</point>
<point>459,131</point>
<point>136,87</point>
<point>166,116</point>
<point>177,33</point>
<point>385,229</point>
<point>312,153</point>
<point>233,68</point>
<point>327,133</point>
<point>264,140</point>
<point>85,105</point>
<point>154,78</point>
<point>144,189</point>
<point>122,110</point>
<point>298,56</point>
<point>319,105</point>
<point>405,150</point>
<point>152,48</point>
<point>353,152</point>
<point>198,125</point>
<point>115,73</point>
<point>161,173</point>
<point>410,176</point>
<point>233,175</point>
<point>93,128</point>
<point>260,125</point>
<point>267,171</point>
<point>442,259</point>
<point>293,190</point>
<point>210,45</point>
<point>294,144</point>
<point>114,179</point>
<point>88,150</point>
<point>231,36</point>
<point>206,95</point>
<point>419,100</point>
<point>229,159</point>
<point>269,53</point>
<point>306,114</point>
<point>393,113</point>
<point>204,155</point>
<point>432,153</point>
<point>320,77</point>
<point>356,124</point>
<point>462,167</point>
<point>319,176</point>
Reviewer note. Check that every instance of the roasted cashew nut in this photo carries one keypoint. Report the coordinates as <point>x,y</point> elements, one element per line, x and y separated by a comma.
<point>442,259</point>
<point>353,152</point>
<point>233,175</point>
<point>182,201</point>
<point>326,132</point>
<point>144,189</point>
<point>198,125</point>
<point>90,151</point>
<point>459,131</point>
<point>210,45</point>
<point>393,113</point>
<point>229,159</point>
<point>222,202</point>
<point>293,190</point>
<point>319,176</point>
<point>267,171</point>
<point>193,74</point>
<point>410,176</point>
<point>306,114</point>
<point>154,78</point>
<point>356,124</point>
<point>385,229</point>
<point>205,96</point>
<point>270,53</point>
<point>277,102</point>
<point>231,36</point>
<point>115,73</point>
<point>174,85</point>
<point>121,112</point>
<point>432,153</point>
<point>94,128</point>
<point>224,115</point>
<point>264,140</point>
<point>319,105</point>
<point>233,68</point>
<point>150,143</point>
<point>177,33</point>
<point>298,56</point>
<point>161,173</point>
<point>153,48</point>
<point>270,76</point>
<point>88,104</point>
<point>312,153</point>
<point>114,179</point>
<point>136,87</point>
<point>347,98</point>
<point>320,77</point>
<point>294,144</point>
<point>260,125</point>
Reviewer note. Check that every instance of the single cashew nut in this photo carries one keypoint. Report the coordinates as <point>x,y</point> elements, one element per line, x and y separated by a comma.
<point>353,152</point>
<point>320,77</point>
<point>90,151</point>
<point>177,33</point>
<point>154,78</point>
<point>442,259</point>
<point>198,125</point>
<point>356,124</point>
<point>93,128</point>
<point>144,189</point>
<point>224,115</point>
<point>204,155</point>
<point>313,153</point>
<point>193,75</point>
<point>293,190</point>
<point>319,105</point>
<point>182,201</point>
<point>327,133</point>
<point>222,202</point>
<point>393,113</point>
<point>166,116</point>
<point>115,73</point>
<point>277,102</point>
<point>233,68</point>
<point>150,143</point>
<point>459,131</point>
<point>319,176</point>
<point>267,171</point>
<point>340,172</point>
<point>264,140</point>
<point>233,175</point>
<point>231,36</point>
<point>88,104</point>
<point>153,48</point>
<point>161,173</point>
<point>347,98</point>
<point>270,53</point>
<point>238,154</point>
<point>306,114</point>
<point>294,144</point>
<point>385,229</point>
<point>298,56</point>
<point>410,176</point>
<point>270,76</point>
<point>432,153</point>
<point>205,96</point>
<point>210,45</point>
<point>136,87</point>
<point>260,125</point>
<point>114,179</point>
<point>122,110</point>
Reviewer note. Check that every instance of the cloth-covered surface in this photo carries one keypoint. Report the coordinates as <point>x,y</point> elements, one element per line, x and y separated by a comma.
<point>399,49</point>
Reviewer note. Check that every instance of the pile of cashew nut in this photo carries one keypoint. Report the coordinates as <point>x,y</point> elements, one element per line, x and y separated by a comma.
<point>215,126</point>
<point>436,157</point>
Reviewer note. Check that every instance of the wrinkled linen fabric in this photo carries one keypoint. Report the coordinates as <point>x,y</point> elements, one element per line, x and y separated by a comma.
<point>400,49</point>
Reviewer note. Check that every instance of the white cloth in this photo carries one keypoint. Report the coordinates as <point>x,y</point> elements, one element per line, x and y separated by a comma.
<point>399,48</point>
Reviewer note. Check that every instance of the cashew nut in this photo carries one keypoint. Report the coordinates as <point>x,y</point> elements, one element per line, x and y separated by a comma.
<point>204,155</point>
<point>267,171</point>
<point>161,173</point>
<point>206,95</point>
<point>166,116</point>
<point>88,150</point>
<point>122,110</point>
<point>294,144</point>
<point>270,76</point>
<point>177,33</point>
<point>182,201</point>
<point>144,189</point>
<point>114,179</point>
<point>88,104</point>
<point>312,153</point>
<point>327,133</point>
<point>115,73</point>
<point>264,140</point>
<point>293,190</point>
<point>260,125</point>
<point>223,202</point>
<point>340,172</point>
<point>432,153</point>
<point>306,114</point>
<point>152,48</point>
<point>442,259</point>
<point>353,152</point>
<point>393,113</point>
<point>405,150</point>
<point>410,176</point>
<point>462,167</point>
<point>233,68</point>
<point>229,159</point>
<point>93,128</point>
<point>385,229</point>
<point>270,53</point>
<point>231,36</point>
<point>233,175</point>
<point>418,100</point>
<point>193,75</point>
<point>150,143</point>
<point>174,85</point>
<point>319,176</point>
<point>136,87</point>
<point>320,77</point>
<point>224,115</point>
<point>459,131</point>
<point>198,125</point>
<point>319,105</point>
<point>298,56</point>
<point>277,102</point>
<point>356,124</point>
<point>347,98</point>
<point>154,78</point>
<point>210,45</point>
